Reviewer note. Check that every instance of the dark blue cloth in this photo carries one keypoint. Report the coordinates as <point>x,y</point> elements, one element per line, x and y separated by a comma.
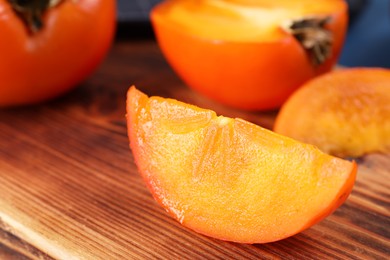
<point>368,38</point>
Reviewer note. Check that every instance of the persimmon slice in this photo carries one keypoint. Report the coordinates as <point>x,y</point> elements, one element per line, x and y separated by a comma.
<point>344,112</point>
<point>228,178</point>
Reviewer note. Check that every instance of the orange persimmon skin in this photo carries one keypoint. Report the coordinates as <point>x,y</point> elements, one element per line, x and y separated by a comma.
<point>247,75</point>
<point>35,67</point>
<point>230,179</point>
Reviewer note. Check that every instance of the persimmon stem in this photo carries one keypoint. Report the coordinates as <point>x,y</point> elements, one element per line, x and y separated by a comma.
<point>314,37</point>
<point>31,11</point>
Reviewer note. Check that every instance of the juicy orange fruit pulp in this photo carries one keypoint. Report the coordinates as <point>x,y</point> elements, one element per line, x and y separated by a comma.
<point>241,52</point>
<point>243,20</point>
<point>228,178</point>
<point>345,112</point>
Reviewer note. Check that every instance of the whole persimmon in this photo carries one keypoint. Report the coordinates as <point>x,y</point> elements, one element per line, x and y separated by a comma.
<point>345,112</point>
<point>48,47</point>
<point>250,54</point>
<point>228,178</point>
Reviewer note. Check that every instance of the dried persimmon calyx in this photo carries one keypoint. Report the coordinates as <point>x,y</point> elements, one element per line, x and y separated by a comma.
<point>31,12</point>
<point>314,37</point>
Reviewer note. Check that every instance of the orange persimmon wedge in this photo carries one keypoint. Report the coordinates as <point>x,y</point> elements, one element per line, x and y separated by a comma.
<point>230,179</point>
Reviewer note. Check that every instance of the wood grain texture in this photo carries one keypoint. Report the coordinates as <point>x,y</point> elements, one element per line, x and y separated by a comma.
<point>69,188</point>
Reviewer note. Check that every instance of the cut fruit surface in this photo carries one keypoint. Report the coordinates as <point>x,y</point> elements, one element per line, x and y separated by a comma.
<point>345,112</point>
<point>250,54</point>
<point>228,178</point>
<point>243,20</point>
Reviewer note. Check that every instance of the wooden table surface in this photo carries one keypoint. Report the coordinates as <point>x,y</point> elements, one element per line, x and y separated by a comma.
<point>69,188</point>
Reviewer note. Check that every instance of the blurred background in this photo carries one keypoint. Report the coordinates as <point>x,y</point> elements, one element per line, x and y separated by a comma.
<point>367,43</point>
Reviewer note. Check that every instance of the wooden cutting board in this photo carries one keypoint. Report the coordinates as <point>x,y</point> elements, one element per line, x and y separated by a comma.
<point>69,188</point>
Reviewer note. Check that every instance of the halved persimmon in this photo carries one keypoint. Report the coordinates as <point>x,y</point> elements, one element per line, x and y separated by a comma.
<point>344,113</point>
<point>228,178</point>
<point>250,54</point>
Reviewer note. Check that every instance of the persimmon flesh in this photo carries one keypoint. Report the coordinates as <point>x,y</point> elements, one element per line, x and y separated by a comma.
<point>250,54</point>
<point>228,178</point>
<point>344,113</point>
